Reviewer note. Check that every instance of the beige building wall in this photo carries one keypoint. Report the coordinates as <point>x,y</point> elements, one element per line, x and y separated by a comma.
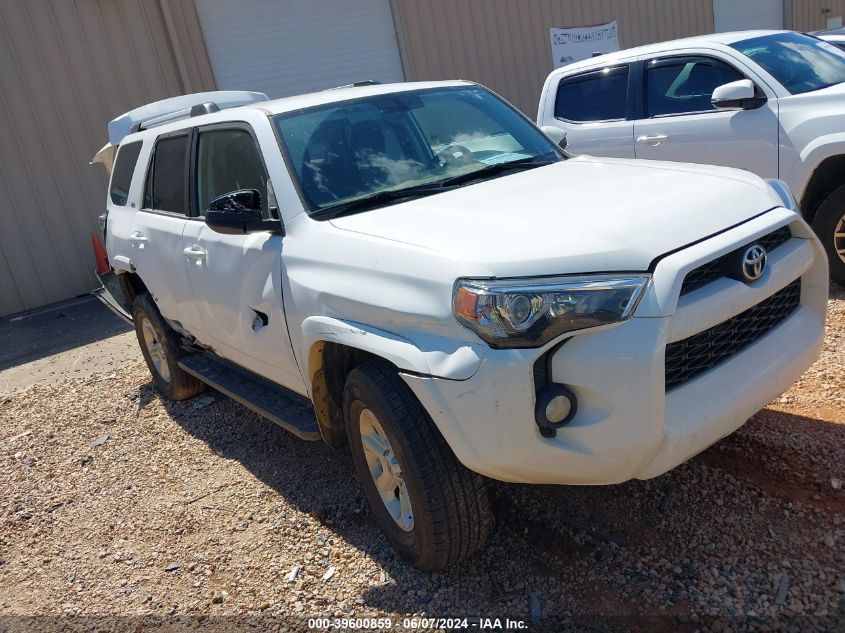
<point>67,67</point>
<point>807,15</point>
<point>504,44</point>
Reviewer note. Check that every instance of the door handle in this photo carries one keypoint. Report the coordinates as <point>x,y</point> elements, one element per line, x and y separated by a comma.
<point>195,254</point>
<point>138,239</point>
<point>653,140</point>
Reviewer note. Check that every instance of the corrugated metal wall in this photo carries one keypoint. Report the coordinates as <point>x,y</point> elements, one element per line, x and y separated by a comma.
<point>807,15</point>
<point>504,44</point>
<point>66,68</point>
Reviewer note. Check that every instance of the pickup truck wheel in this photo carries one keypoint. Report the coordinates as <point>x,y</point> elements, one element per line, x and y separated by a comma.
<point>161,349</point>
<point>433,510</point>
<point>829,225</point>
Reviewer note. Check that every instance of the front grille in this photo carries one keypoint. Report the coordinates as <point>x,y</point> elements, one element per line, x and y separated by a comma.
<point>718,268</point>
<point>692,356</point>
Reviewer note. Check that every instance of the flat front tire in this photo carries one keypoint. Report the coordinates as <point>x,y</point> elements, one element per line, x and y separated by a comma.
<point>161,350</point>
<point>829,225</point>
<point>433,510</point>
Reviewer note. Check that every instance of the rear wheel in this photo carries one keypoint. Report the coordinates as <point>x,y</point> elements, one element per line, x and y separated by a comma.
<point>829,225</point>
<point>433,510</point>
<point>161,349</point>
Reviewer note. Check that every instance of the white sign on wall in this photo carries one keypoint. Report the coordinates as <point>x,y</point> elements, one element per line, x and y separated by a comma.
<point>581,42</point>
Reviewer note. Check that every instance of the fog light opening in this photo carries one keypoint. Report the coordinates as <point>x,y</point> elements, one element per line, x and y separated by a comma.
<point>556,406</point>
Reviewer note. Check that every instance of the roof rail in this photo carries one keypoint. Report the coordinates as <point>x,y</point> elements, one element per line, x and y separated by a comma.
<point>357,84</point>
<point>176,108</point>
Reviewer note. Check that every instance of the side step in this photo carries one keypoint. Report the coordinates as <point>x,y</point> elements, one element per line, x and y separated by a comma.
<point>289,410</point>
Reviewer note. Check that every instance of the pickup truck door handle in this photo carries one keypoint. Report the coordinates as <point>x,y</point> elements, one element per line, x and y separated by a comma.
<point>138,239</point>
<point>195,254</point>
<point>654,139</point>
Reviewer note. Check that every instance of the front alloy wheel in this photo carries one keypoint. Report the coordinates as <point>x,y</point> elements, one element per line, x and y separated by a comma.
<point>432,509</point>
<point>385,470</point>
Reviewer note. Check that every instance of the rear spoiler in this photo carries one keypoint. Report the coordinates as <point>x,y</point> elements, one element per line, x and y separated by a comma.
<point>168,110</point>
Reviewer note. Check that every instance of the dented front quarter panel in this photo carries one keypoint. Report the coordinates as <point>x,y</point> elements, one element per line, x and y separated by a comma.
<point>391,299</point>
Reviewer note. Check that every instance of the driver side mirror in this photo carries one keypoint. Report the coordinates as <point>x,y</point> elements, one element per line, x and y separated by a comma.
<point>237,213</point>
<point>737,94</point>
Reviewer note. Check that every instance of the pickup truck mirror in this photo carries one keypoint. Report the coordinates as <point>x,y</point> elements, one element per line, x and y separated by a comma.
<point>556,134</point>
<point>237,213</point>
<point>737,94</point>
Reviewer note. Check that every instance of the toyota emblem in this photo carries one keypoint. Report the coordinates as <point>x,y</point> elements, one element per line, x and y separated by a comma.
<point>753,262</point>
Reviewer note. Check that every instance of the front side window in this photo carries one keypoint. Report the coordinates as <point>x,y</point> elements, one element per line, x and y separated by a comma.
<point>597,96</point>
<point>394,143</point>
<point>121,176</point>
<point>165,190</point>
<point>229,160</point>
<point>685,85</point>
<point>799,62</point>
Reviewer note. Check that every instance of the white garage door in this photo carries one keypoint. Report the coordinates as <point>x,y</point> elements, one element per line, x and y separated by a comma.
<point>288,47</point>
<point>739,15</point>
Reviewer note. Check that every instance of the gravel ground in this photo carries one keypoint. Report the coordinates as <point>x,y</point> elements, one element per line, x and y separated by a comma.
<point>115,502</point>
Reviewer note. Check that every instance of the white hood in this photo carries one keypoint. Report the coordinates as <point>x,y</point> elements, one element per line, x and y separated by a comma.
<point>581,215</point>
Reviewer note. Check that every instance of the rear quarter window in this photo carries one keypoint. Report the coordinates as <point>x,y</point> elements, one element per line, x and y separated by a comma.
<point>166,181</point>
<point>601,95</point>
<point>124,167</point>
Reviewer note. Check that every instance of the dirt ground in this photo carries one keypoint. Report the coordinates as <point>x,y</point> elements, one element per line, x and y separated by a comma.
<point>117,503</point>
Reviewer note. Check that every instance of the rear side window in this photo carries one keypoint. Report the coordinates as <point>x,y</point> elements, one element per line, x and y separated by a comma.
<point>121,176</point>
<point>597,96</point>
<point>165,189</point>
<point>685,85</point>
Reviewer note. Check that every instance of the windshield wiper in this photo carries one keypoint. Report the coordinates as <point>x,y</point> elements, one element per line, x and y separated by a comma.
<point>439,186</point>
<point>496,168</point>
<point>380,197</point>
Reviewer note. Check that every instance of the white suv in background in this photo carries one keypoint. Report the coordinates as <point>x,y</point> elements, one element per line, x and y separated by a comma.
<point>769,102</point>
<point>415,270</point>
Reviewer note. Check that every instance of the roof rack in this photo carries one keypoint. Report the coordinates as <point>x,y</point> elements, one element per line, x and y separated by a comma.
<point>176,108</point>
<point>357,84</point>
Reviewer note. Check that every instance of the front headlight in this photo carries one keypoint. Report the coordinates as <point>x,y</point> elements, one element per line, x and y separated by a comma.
<point>531,312</point>
<point>783,192</point>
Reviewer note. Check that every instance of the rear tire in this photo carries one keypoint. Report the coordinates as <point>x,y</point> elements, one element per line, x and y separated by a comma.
<point>161,349</point>
<point>433,510</point>
<point>829,225</point>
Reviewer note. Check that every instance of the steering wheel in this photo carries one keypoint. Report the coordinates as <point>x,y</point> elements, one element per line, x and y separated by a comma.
<point>456,155</point>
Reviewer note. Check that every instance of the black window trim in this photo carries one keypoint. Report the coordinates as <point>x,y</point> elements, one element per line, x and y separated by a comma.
<point>667,60</point>
<point>187,133</point>
<point>629,93</point>
<point>194,211</point>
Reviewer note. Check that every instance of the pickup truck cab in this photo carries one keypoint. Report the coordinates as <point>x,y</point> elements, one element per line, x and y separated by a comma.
<point>418,272</point>
<point>769,102</point>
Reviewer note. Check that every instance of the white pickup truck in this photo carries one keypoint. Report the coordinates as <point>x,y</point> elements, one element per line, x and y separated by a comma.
<point>417,271</point>
<point>770,102</point>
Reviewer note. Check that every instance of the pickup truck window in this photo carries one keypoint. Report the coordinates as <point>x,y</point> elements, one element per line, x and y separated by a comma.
<point>601,95</point>
<point>799,62</point>
<point>229,160</point>
<point>388,144</point>
<point>685,85</point>
<point>165,188</point>
<point>124,167</point>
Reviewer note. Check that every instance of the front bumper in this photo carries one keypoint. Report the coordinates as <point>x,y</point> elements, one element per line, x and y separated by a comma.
<point>627,425</point>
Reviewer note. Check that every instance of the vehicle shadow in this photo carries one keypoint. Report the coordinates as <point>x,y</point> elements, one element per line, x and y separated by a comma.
<point>636,549</point>
<point>57,328</point>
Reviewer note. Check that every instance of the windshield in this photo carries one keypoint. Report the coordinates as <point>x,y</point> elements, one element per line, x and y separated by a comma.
<point>799,62</point>
<point>354,150</point>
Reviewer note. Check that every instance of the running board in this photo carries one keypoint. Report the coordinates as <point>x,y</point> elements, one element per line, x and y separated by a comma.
<point>289,410</point>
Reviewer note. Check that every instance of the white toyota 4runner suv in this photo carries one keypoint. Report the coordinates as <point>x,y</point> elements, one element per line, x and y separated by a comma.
<point>770,102</point>
<point>418,271</point>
